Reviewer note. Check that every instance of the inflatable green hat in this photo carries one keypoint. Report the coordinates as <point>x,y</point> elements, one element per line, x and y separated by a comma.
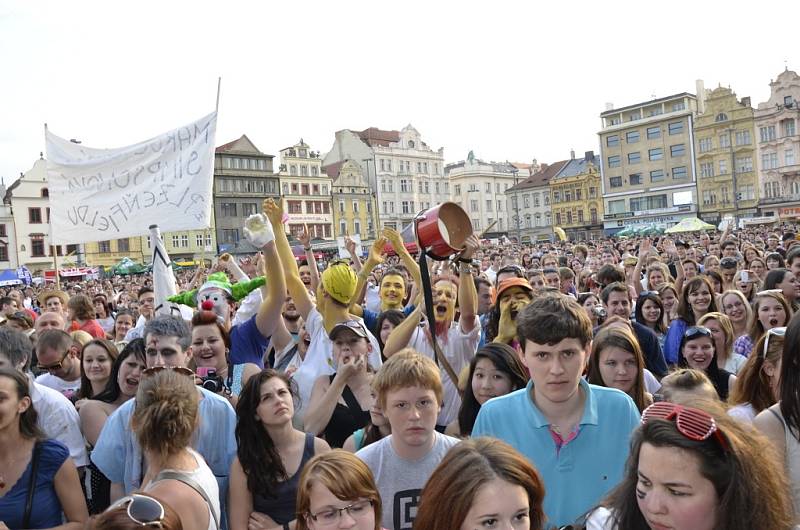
<point>219,280</point>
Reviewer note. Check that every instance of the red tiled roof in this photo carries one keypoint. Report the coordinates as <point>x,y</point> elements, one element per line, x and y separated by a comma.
<point>541,177</point>
<point>374,136</point>
<point>332,170</point>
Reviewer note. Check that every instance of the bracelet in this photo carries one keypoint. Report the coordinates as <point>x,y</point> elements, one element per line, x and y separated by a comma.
<point>464,268</point>
<point>306,248</point>
<point>465,260</point>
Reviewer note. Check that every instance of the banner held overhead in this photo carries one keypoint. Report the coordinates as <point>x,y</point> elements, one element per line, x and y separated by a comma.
<point>101,194</point>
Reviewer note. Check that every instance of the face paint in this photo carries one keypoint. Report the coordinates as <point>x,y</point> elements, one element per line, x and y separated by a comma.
<point>214,300</point>
<point>393,289</point>
<point>444,305</point>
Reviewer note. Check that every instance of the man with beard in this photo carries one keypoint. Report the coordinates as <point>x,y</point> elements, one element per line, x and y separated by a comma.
<point>458,340</point>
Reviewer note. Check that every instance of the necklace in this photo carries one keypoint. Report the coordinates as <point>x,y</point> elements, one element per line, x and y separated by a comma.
<point>10,463</point>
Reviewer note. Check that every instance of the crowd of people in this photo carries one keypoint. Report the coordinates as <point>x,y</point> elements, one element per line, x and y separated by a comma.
<point>616,384</point>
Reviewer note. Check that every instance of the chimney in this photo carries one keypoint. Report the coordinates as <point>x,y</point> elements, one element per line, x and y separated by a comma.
<point>572,154</point>
<point>609,106</point>
<point>701,96</point>
<point>746,101</point>
<point>588,156</point>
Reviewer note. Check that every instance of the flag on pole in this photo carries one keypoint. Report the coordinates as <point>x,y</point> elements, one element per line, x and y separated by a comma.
<point>102,194</point>
<point>164,283</point>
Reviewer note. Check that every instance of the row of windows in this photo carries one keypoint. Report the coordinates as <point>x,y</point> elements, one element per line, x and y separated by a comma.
<point>344,227</point>
<point>407,186</point>
<point>312,207</point>
<point>38,248</point>
<point>652,133</point>
<point>474,205</point>
<point>570,195</point>
<point>650,112</point>
<point>355,206</point>
<point>232,209</point>
<point>657,175</point>
<point>244,163</point>
<point>404,166</point>
<point>536,219</point>
<point>487,188</point>
<point>576,216</point>
<point>246,185</point>
<point>304,189</point>
<point>770,160</point>
<point>316,230</point>
<point>787,128</point>
<point>304,170</point>
<point>744,193</point>
<point>774,190</point>
<point>656,153</point>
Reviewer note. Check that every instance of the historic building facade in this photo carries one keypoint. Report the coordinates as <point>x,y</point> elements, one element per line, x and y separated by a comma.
<point>576,201</point>
<point>353,202</point>
<point>306,191</point>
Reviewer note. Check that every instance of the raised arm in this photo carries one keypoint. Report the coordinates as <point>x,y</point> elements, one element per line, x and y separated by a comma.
<point>635,279</point>
<point>374,259</point>
<point>401,335</point>
<point>467,295</point>
<point>230,265</point>
<point>350,246</point>
<point>669,247</point>
<point>399,247</point>
<point>269,312</point>
<point>297,290</point>
<point>305,238</point>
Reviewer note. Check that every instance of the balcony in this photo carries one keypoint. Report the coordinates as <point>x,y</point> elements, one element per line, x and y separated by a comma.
<point>792,197</point>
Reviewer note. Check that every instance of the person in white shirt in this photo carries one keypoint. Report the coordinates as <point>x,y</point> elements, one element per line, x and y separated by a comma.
<point>58,355</point>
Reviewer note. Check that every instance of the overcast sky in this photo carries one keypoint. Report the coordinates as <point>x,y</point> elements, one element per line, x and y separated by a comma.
<point>509,80</point>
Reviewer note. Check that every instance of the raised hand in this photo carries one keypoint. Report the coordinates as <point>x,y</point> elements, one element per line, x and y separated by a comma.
<point>350,245</point>
<point>394,237</point>
<point>471,245</point>
<point>304,237</point>
<point>376,250</point>
<point>273,210</point>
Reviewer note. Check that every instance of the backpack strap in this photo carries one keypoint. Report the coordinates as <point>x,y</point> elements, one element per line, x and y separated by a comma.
<point>192,483</point>
<point>26,518</point>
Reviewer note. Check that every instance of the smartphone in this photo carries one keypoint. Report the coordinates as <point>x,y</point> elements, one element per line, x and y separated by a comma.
<point>745,276</point>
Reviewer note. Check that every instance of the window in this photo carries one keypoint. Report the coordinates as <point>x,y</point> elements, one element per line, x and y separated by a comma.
<point>707,169</point>
<point>526,200</point>
<point>617,206</point>
<point>405,186</point>
<point>580,216</point>
<point>632,137</point>
<point>419,187</point>
<point>355,206</point>
<point>677,150</point>
<point>198,240</point>
<point>489,203</point>
<point>744,164</point>
<point>473,205</point>
<point>425,167</point>
<point>767,133</point>
<point>721,117</point>
<point>3,230</point>
<point>788,127</point>
<point>652,202</point>
<point>185,241</point>
<point>230,236</point>
<point>709,197</point>
<point>558,218</point>
<point>457,189</point>
<point>303,171</point>
<point>436,187</point>
<point>388,165</point>
<point>105,246</point>
<point>343,228</point>
<point>37,246</point>
<point>772,190</point>
<point>748,192</point>
<point>678,106</point>
<point>577,194</point>
<point>675,127</point>
<point>592,192</point>
<point>614,161</point>
<point>357,226</point>
<point>788,101</point>
<point>788,157</point>
<point>635,179</point>
<point>743,138</point>
<point>3,252</point>
<point>593,215</point>
<point>295,188</point>
<point>473,187</point>
<point>489,187</point>
<point>723,166</point>
<point>419,167</point>
<point>535,200</point>
<point>175,240</point>
<point>657,175</point>
<point>45,192</point>
<point>569,218</point>
<point>706,145</point>
<point>341,206</point>
<point>383,164</point>
<point>769,160</point>
<point>724,140</point>
<point>655,154</point>
<point>556,197</point>
<point>634,158</point>
<point>616,182</point>
<point>612,141</point>
<point>35,216</point>
<point>546,199</point>
<point>293,170</point>
<point>679,172</point>
<point>500,206</point>
<point>249,208</point>
<point>123,245</point>
<point>653,133</point>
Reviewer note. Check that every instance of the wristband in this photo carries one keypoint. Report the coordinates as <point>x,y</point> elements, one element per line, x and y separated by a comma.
<point>465,260</point>
<point>306,248</point>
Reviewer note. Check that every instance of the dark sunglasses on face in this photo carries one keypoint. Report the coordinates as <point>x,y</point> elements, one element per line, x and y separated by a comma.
<point>728,263</point>
<point>55,366</point>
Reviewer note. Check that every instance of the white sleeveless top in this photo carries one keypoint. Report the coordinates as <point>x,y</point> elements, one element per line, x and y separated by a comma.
<point>791,458</point>
<point>204,477</point>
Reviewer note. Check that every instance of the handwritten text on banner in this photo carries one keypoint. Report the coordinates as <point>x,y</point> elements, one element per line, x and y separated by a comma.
<point>101,194</point>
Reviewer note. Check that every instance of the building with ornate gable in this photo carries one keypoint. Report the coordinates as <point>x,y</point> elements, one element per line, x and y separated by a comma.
<point>353,201</point>
<point>306,191</point>
<point>576,202</point>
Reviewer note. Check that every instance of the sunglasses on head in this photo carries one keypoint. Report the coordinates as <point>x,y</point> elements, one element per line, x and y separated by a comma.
<point>692,423</point>
<point>55,366</point>
<point>648,293</point>
<point>177,369</point>
<point>697,331</point>
<point>778,332</point>
<point>142,510</point>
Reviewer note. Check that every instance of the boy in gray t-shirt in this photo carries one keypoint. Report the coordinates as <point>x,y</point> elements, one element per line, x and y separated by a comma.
<point>409,390</point>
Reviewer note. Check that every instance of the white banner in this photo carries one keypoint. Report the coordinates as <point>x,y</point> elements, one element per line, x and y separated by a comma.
<point>101,194</point>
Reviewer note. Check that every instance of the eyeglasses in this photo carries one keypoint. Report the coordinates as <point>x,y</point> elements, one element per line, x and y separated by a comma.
<point>331,516</point>
<point>55,366</point>
<point>142,510</point>
<point>177,369</point>
<point>696,331</point>
<point>692,423</point>
<point>778,332</point>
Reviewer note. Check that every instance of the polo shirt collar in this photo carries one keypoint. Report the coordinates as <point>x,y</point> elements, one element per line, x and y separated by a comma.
<point>589,410</point>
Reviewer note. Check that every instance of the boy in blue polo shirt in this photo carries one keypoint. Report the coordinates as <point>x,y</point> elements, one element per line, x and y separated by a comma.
<point>576,434</point>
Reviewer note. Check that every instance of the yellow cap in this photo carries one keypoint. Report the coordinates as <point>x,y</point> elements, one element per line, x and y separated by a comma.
<point>339,281</point>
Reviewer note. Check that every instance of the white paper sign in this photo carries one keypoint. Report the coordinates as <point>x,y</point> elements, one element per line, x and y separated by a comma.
<point>101,194</point>
<point>343,253</point>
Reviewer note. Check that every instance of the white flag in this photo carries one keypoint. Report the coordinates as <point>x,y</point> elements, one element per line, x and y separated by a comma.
<point>101,194</point>
<point>164,283</point>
